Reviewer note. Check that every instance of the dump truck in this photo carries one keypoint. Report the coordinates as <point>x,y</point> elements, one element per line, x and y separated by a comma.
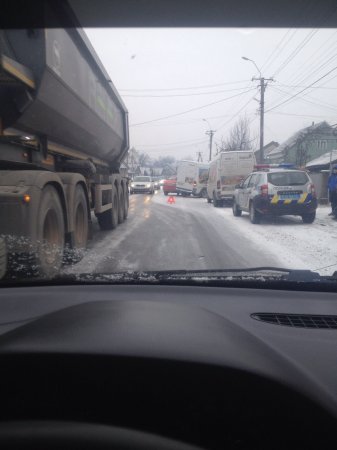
<point>63,137</point>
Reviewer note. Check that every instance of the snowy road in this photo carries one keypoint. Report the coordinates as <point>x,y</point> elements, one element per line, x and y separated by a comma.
<point>191,234</point>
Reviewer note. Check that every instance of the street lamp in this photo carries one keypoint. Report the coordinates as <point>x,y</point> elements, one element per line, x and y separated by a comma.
<point>209,133</point>
<point>262,88</point>
<point>251,60</point>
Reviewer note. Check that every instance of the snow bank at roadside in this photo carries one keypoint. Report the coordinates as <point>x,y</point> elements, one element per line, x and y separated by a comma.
<point>296,245</point>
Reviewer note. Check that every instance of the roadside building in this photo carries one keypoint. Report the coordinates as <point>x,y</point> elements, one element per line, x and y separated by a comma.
<point>305,145</point>
<point>266,150</point>
<point>319,170</point>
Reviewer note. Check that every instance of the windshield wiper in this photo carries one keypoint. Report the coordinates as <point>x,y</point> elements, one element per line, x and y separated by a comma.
<point>259,277</point>
<point>257,274</point>
<point>209,276</point>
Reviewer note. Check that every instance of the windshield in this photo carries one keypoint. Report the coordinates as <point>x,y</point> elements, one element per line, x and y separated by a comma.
<point>86,127</point>
<point>287,178</point>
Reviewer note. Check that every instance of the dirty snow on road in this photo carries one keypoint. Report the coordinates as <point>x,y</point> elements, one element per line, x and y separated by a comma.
<point>294,244</point>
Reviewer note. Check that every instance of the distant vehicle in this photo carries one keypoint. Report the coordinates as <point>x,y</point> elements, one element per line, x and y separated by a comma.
<point>169,186</point>
<point>156,183</point>
<point>226,171</point>
<point>142,184</point>
<point>200,182</point>
<point>192,178</point>
<point>276,191</point>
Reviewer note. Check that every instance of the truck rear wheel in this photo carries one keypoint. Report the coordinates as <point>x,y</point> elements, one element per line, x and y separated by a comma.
<point>81,226</point>
<point>50,234</point>
<point>126,203</point>
<point>3,258</point>
<point>108,220</point>
<point>121,205</point>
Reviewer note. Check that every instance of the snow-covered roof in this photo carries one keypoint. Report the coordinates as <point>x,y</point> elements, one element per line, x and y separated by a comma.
<point>268,148</point>
<point>299,134</point>
<point>323,160</point>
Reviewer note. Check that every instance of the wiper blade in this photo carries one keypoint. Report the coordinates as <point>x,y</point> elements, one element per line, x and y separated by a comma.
<point>209,275</point>
<point>257,274</point>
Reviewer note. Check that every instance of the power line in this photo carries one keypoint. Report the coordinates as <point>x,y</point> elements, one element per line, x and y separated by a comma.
<point>301,86</point>
<point>300,92</point>
<point>308,9</point>
<point>189,110</point>
<point>322,57</point>
<point>183,95</point>
<point>286,94</point>
<point>266,65</point>
<point>322,66</point>
<point>315,102</point>
<point>301,115</point>
<point>183,88</point>
<point>296,51</point>
<point>236,114</point>
<point>194,141</point>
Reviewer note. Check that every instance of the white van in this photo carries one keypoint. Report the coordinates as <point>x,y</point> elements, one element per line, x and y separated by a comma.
<point>226,171</point>
<point>192,178</point>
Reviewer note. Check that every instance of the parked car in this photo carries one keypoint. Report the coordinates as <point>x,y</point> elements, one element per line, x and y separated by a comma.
<point>169,186</point>
<point>276,191</point>
<point>142,184</point>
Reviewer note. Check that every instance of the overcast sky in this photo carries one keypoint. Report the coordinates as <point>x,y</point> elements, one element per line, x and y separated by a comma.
<point>172,79</point>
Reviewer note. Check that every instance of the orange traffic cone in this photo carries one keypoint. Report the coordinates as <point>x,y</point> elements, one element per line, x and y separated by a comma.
<point>171,200</point>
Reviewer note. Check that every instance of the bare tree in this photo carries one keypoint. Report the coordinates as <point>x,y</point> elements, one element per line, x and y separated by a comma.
<point>143,159</point>
<point>239,137</point>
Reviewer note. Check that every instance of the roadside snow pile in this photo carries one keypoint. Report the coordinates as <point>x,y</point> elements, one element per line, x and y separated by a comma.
<point>296,245</point>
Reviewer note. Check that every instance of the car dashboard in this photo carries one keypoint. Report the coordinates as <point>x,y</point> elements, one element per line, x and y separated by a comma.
<point>211,367</point>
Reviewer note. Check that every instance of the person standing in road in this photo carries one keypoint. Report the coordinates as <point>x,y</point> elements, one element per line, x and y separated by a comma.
<point>332,188</point>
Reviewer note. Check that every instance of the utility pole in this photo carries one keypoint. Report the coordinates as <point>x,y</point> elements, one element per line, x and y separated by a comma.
<point>210,133</point>
<point>263,85</point>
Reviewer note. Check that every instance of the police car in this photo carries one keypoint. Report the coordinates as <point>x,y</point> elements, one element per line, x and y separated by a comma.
<point>276,190</point>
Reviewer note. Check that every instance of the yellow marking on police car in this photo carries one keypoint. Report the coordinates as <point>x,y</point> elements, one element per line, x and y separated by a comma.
<point>303,198</point>
<point>275,199</point>
<point>287,201</point>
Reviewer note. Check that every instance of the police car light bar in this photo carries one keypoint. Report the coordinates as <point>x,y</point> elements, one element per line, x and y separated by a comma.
<point>274,166</point>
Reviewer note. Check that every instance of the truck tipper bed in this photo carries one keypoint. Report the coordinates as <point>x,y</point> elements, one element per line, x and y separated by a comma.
<point>63,137</point>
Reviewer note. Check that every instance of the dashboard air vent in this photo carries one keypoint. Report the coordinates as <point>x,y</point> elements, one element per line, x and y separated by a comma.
<point>298,320</point>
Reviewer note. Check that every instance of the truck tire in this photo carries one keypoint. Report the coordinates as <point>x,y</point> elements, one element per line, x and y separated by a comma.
<point>3,258</point>
<point>81,225</point>
<point>209,200</point>
<point>126,203</point>
<point>120,205</point>
<point>108,220</point>
<point>48,255</point>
